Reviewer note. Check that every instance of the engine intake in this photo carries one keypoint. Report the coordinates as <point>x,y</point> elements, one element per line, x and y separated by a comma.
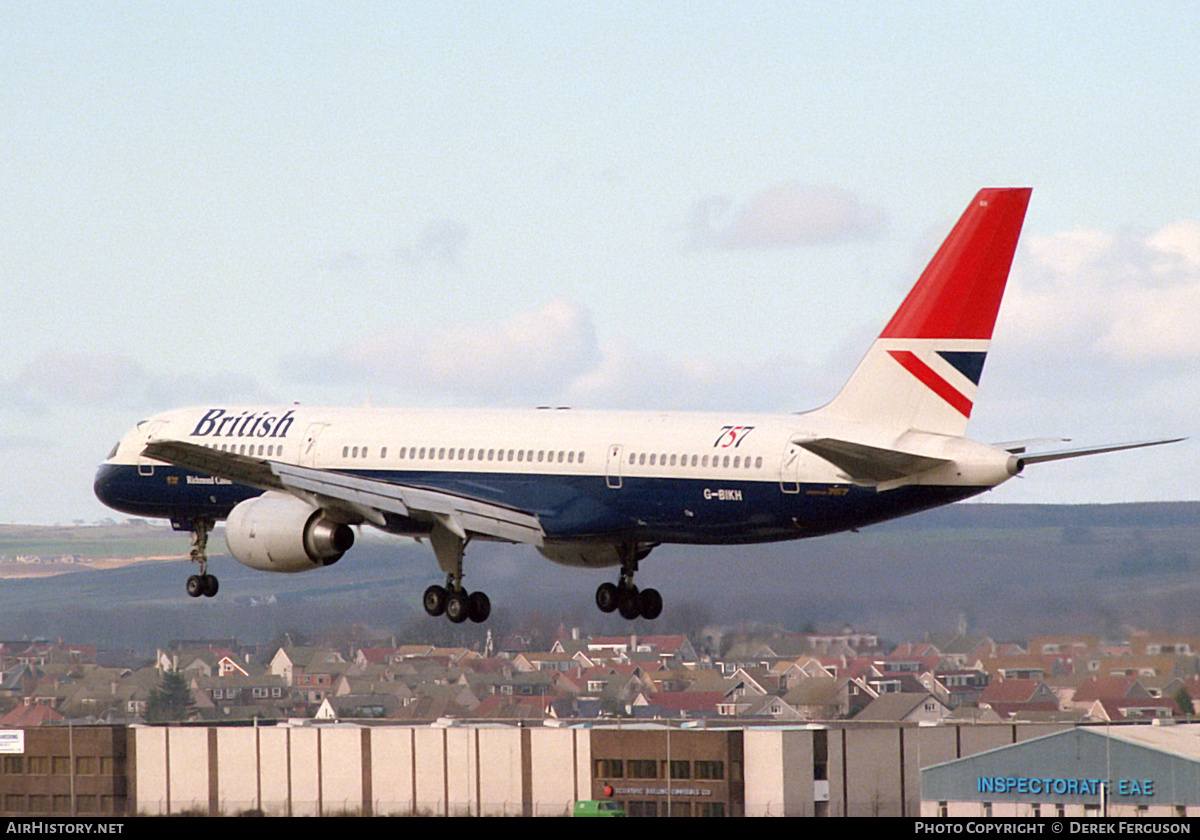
<point>276,532</point>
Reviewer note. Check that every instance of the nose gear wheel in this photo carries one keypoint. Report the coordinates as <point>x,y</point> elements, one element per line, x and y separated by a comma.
<point>202,584</point>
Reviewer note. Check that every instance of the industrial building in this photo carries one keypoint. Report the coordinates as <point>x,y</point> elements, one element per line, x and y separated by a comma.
<point>1120,771</point>
<point>455,768</point>
<point>452,768</point>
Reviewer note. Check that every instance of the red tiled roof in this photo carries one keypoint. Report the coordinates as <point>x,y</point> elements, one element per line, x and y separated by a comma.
<point>35,715</point>
<point>688,701</point>
<point>1105,688</point>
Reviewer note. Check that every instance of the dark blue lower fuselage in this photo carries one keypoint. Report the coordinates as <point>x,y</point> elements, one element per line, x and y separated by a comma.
<point>693,510</point>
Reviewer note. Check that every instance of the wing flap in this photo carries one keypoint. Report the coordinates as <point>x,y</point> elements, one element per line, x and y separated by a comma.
<point>365,498</point>
<point>471,515</point>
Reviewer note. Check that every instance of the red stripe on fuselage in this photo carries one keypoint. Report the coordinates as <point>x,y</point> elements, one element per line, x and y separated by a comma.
<point>932,380</point>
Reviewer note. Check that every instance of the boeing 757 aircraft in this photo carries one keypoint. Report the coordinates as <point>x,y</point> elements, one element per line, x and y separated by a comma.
<point>600,488</point>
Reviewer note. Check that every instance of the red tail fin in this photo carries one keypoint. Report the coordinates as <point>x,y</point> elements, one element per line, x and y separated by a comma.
<point>922,371</point>
<point>959,292</point>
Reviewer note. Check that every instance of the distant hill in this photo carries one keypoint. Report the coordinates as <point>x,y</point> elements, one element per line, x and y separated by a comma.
<point>1008,570</point>
<point>983,515</point>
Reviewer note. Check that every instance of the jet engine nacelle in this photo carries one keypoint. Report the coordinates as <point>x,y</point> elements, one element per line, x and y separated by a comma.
<point>276,532</point>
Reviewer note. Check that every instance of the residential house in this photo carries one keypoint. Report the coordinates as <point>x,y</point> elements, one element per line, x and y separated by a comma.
<point>292,663</point>
<point>1118,710</point>
<point>677,705</point>
<point>921,707</point>
<point>956,688</point>
<point>1157,645</point>
<point>1009,698</point>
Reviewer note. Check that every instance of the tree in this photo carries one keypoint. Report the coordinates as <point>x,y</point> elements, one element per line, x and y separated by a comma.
<point>1184,701</point>
<point>171,700</point>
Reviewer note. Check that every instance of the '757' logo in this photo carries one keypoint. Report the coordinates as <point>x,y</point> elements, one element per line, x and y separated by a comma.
<point>731,436</point>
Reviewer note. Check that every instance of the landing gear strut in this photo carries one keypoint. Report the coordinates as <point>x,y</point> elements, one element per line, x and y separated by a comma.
<point>452,600</point>
<point>203,583</point>
<point>623,596</point>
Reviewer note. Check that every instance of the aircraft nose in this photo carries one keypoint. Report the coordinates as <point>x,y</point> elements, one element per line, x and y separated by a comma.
<point>105,485</point>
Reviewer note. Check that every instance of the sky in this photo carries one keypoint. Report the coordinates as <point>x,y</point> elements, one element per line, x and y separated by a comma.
<point>602,205</point>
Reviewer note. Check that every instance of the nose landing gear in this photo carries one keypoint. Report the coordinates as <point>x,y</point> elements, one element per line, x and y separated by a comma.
<point>203,584</point>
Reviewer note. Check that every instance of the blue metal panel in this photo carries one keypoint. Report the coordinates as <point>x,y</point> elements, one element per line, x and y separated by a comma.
<point>1068,767</point>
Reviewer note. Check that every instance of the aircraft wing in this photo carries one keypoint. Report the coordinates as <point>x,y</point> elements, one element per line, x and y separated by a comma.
<point>356,497</point>
<point>237,468</point>
<point>869,464</point>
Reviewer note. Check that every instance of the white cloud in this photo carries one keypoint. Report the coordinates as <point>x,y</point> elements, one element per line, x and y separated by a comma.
<point>1179,244</point>
<point>551,355</point>
<point>629,378</point>
<point>101,380</point>
<point>440,241</point>
<point>531,354</point>
<point>1097,342</point>
<point>785,216</point>
<point>1124,298</point>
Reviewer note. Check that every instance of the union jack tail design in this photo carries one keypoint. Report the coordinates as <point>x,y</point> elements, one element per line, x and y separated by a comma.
<point>923,370</point>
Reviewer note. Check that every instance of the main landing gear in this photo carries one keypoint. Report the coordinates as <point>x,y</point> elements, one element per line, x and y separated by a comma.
<point>452,600</point>
<point>456,603</point>
<point>623,596</point>
<point>203,583</point>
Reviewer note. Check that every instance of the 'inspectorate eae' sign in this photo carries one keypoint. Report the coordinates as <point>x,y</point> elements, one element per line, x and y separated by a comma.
<point>1033,786</point>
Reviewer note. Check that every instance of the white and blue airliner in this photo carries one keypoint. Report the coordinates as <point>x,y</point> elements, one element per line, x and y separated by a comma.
<point>600,488</point>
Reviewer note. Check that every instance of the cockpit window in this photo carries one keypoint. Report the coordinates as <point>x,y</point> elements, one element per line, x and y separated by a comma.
<point>113,454</point>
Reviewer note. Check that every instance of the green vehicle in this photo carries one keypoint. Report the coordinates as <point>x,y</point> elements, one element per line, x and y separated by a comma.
<point>598,808</point>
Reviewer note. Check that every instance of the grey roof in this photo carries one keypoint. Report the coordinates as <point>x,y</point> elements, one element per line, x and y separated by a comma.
<point>895,706</point>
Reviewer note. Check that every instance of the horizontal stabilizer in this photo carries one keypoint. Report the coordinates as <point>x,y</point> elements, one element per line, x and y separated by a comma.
<point>1019,447</point>
<point>1062,454</point>
<point>869,464</point>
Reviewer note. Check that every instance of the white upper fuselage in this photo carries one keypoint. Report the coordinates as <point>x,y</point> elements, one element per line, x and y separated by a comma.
<point>539,441</point>
<point>589,476</point>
